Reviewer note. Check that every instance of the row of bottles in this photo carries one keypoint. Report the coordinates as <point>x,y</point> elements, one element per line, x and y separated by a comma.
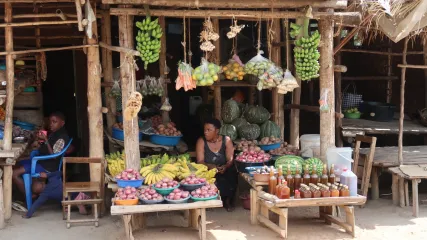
<point>293,182</point>
<point>321,190</point>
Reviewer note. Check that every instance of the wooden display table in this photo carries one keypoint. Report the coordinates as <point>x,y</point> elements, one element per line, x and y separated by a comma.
<point>196,219</point>
<point>401,193</point>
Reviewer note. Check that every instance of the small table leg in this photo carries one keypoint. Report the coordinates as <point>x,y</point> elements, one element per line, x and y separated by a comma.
<point>128,226</point>
<point>254,206</point>
<point>406,193</point>
<point>402,192</point>
<point>415,197</point>
<point>202,224</point>
<point>349,217</point>
<point>394,189</point>
<point>375,189</point>
<point>2,224</point>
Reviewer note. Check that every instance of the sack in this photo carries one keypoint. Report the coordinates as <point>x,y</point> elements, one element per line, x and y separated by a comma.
<point>115,90</point>
<point>258,65</point>
<point>351,100</point>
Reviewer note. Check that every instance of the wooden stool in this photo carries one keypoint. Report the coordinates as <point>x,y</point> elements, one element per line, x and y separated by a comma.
<point>400,189</point>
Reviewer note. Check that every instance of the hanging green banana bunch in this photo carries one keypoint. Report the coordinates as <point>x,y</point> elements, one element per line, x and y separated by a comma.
<point>148,40</point>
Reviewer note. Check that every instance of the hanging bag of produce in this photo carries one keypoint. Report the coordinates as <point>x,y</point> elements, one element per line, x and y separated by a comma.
<point>351,100</point>
<point>138,86</point>
<point>258,65</point>
<point>115,90</point>
<point>184,79</point>
<point>144,87</point>
<point>160,89</point>
<point>288,84</point>
<point>206,74</point>
<point>166,106</point>
<point>234,69</point>
<point>272,77</point>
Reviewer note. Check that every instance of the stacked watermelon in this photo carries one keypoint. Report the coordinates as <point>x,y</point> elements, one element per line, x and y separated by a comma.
<point>314,162</point>
<point>295,162</point>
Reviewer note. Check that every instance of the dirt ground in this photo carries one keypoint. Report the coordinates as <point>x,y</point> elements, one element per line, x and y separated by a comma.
<point>378,220</point>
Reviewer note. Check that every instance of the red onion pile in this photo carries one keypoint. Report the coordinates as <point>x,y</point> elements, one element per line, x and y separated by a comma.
<point>166,183</point>
<point>253,155</point>
<point>127,193</point>
<point>150,194</point>
<point>129,174</point>
<point>178,194</point>
<point>192,179</point>
<point>206,191</point>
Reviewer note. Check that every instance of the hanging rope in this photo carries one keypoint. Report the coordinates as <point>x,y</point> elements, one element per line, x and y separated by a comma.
<point>184,43</point>
<point>190,53</point>
<point>259,35</point>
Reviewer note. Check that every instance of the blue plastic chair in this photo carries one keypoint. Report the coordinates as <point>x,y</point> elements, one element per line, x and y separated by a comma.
<point>34,159</point>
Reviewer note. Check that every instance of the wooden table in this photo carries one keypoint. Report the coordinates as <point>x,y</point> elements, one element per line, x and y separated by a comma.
<point>262,203</point>
<point>401,195</point>
<point>387,157</point>
<point>351,127</point>
<point>196,214</point>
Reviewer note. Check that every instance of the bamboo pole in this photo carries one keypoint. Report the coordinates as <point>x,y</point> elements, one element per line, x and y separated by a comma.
<point>338,93</point>
<point>10,91</point>
<point>38,56</point>
<point>96,143</point>
<point>337,4</point>
<point>47,49</point>
<point>45,37</point>
<point>277,99</point>
<point>402,102</point>
<point>238,14</point>
<point>412,66</point>
<point>162,65</point>
<point>128,85</point>
<point>389,73</point>
<point>296,99</point>
<point>107,69</point>
<point>23,24</point>
<point>326,82</point>
<point>217,56</point>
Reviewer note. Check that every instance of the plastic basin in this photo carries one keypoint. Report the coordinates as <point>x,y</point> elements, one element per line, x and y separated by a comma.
<point>191,187</point>
<point>270,146</point>
<point>165,140</point>
<point>241,166</point>
<point>119,134</point>
<point>129,183</point>
<point>151,201</point>
<point>126,202</point>
<point>352,115</point>
<point>204,199</point>
<point>165,191</point>
<point>178,201</point>
<point>25,125</point>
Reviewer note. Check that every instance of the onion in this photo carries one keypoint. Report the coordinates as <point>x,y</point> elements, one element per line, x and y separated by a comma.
<point>128,191</point>
<point>129,170</point>
<point>133,189</point>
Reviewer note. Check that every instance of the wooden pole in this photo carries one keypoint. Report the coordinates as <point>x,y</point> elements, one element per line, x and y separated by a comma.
<point>277,99</point>
<point>238,14</point>
<point>389,73</point>
<point>381,53</point>
<point>338,93</point>
<point>351,34</point>
<point>10,92</point>
<point>217,57</point>
<point>425,72</point>
<point>23,24</point>
<point>127,72</point>
<point>296,99</point>
<point>46,49</point>
<point>341,4</point>
<point>96,137</point>
<point>119,49</point>
<point>38,56</point>
<point>107,69</point>
<point>162,65</point>
<point>402,102</point>
<point>327,121</point>
<point>2,225</point>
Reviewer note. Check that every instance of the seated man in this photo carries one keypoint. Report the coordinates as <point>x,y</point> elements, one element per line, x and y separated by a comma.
<point>53,143</point>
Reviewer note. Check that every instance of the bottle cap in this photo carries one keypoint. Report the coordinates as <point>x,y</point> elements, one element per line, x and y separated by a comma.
<point>296,191</point>
<point>344,169</point>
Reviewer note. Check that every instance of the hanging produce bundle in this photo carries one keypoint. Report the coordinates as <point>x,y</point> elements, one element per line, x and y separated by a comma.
<point>257,65</point>
<point>269,79</point>
<point>207,36</point>
<point>295,30</point>
<point>206,74</point>
<point>115,90</point>
<point>233,70</point>
<point>234,29</point>
<point>148,40</point>
<point>133,105</point>
<point>306,56</point>
<point>288,84</point>
<point>184,79</point>
<point>154,86</point>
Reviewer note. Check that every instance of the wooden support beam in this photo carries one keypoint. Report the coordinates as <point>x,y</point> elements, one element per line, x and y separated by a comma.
<point>412,66</point>
<point>336,4</point>
<point>127,73</point>
<point>107,69</point>
<point>10,96</point>
<point>389,90</point>
<point>38,56</point>
<point>277,99</point>
<point>351,34</point>
<point>217,57</point>
<point>340,68</point>
<point>162,64</point>
<point>79,14</point>
<point>45,37</point>
<point>2,224</point>
<point>402,101</point>
<point>388,53</point>
<point>338,115</point>
<point>47,49</point>
<point>119,49</point>
<point>23,24</point>
<point>94,108</point>
<point>238,14</point>
<point>326,83</point>
<point>338,94</point>
<point>370,78</point>
<point>425,71</point>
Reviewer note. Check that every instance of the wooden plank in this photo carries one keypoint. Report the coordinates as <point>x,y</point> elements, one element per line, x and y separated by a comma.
<point>415,207</point>
<point>315,202</point>
<point>227,83</point>
<point>121,210</point>
<point>375,189</point>
<point>334,220</point>
<point>406,194</point>
<point>128,227</point>
<point>370,78</point>
<point>23,24</point>
<point>272,226</point>
<point>387,156</point>
<point>202,224</point>
<point>373,127</point>
<point>394,189</point>
<point>404,66</point>
<point>326,83</point>
<point>45,49</point>
<point>381,52</point>
<point>350,219</point>
<point>2,224</point>
<point>283,221</point>
<point>338,4</point>
<point>254,206</point>
<point>81,202</point>
<point>402,192</point>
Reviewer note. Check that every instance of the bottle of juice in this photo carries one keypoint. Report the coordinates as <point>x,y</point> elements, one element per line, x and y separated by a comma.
<point>290,179</point>
<point>306,177</point>
<point>297,194</point>
<point>285,191</point>
<point>306,191</point>
<point>297,179</point>
<point>335,192</point>
<point>272,183</point>
<point>325,191</point>
<point>344,192</point>
<point>324,177</point>
<point>314,178</point>
<point>278,187</point>
<point>332,175</point>
<point>280,174</point>
<point>316,192</point>
<point>350,179</point>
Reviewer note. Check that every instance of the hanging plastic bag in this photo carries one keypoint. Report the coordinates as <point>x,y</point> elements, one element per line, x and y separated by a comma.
<point>236,58</point>
<point>185,79</point>
<point>206,74</point>
<point>166,70</point>
<point>272,77</point>
<point>288,84</point>
<point>160,86</point>
<point>166,106</point>
<point>139,86</point>
<point>144,87</point>
<point>258,65</point>
<point>234,69</point>
<point>323,101</point>
<point>115,90</point>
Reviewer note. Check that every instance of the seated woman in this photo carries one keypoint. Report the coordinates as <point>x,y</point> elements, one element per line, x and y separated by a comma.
<point>216,151</point>
<point>53,143</point>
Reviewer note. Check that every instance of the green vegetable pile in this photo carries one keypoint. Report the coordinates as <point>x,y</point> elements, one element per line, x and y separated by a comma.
<point>307,56</point>
<point>148,40</point>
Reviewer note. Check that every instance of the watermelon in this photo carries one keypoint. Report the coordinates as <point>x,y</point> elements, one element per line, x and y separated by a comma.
<point>228,130</point>
<point>270,129</point>
<point>314,162</point>
<point>257,114</point>
<point>249,131</point>
<point>230,111</point>
<point>295,163</point>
